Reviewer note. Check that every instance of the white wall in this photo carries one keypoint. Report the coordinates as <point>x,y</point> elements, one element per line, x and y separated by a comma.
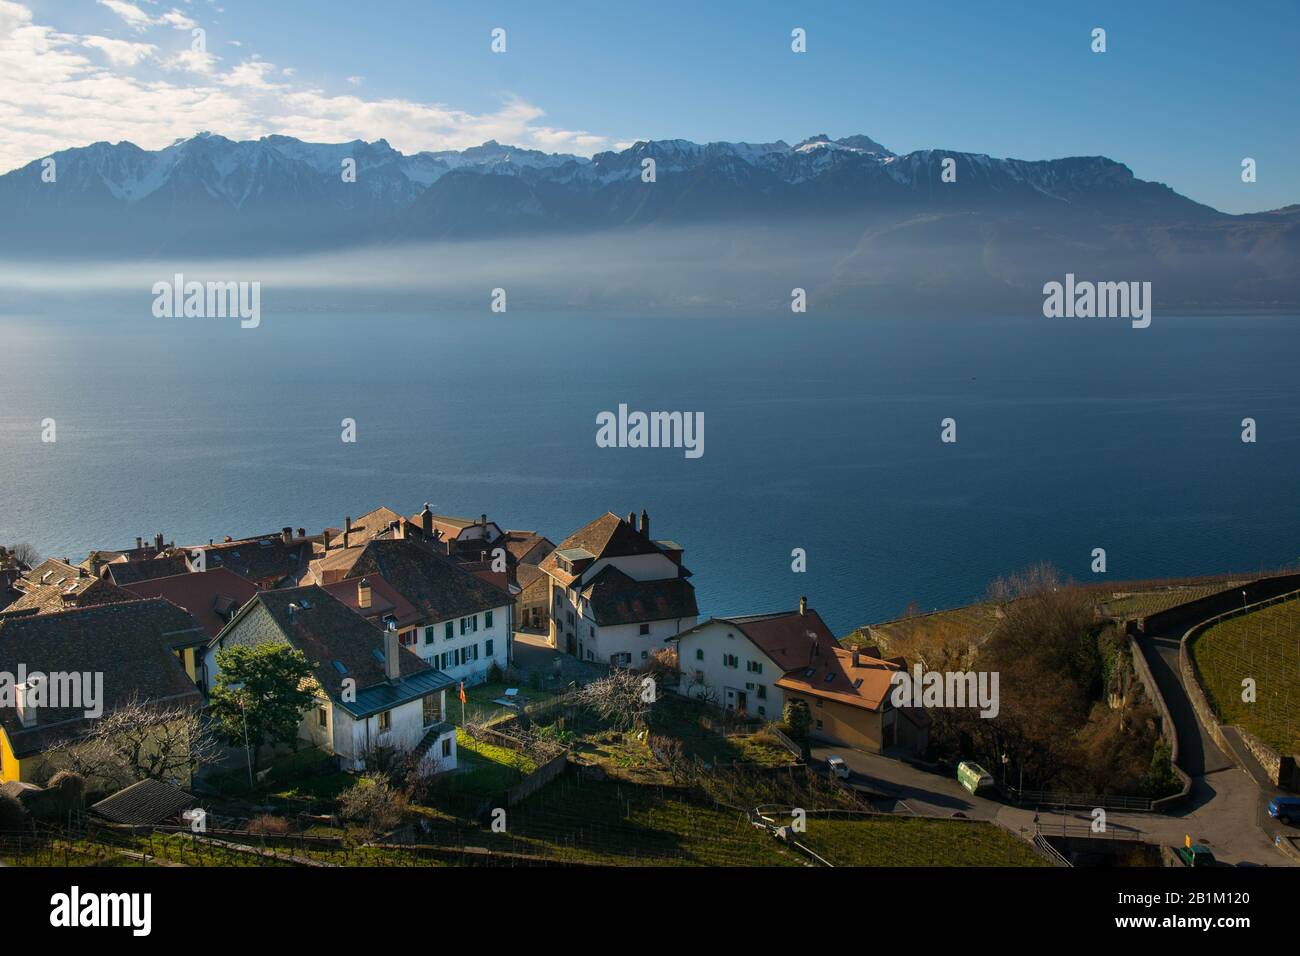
<point>474,671</point>
<point>714,641</point>
<point>628,639</point>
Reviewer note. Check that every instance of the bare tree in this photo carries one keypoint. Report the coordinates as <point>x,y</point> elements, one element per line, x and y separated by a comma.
<point>137,741</point>
<point>699,688</point>
<point>26,553</point>
<point>621,698</point>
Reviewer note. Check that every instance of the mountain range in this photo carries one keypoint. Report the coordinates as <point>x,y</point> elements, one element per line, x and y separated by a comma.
<point>888,225</point>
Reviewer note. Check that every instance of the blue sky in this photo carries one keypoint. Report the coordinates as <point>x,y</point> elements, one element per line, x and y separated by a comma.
<point>1183,93</point>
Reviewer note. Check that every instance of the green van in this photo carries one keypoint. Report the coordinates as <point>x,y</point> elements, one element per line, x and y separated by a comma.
<point>973,777</point>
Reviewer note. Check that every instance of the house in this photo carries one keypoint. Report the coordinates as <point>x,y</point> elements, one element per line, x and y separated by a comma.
<point>269,561</point>
<point>616,594</point>
<point>123,573</point>
<point>11,569</point>
<point>212,598</point>
<point>454,619</point>
<point>848,696</point>
<point>55,585</point>
<point>134,646</point>
<point>737,662</point>
<point>370,690</point>
<point>459,537</point>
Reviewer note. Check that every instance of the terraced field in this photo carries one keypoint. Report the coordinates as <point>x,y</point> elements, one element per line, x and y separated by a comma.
<point>903,841</point>
<point>923,635</point>
<point>1264,645</point>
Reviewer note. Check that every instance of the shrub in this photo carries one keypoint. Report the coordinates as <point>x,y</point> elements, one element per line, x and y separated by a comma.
<point>373,804</point>
<point>798,719</point>
<point>269,825</point>
<point>494,674</point>
<point>13,816</point>
<point>64,794</point>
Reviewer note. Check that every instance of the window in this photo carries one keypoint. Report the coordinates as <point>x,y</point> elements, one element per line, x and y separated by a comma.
<point>645,628</point>
<point>407,638</point>
<point>645,655</point>
<point>568,616</point>
<point>762,711</point>
<point>487,648</point>
<point>762,692</point>
<point>487,620</point>
<point>699,653</point>
<point>446,631</point>
<point>446,747</point>
<point>819,725</point>
<point>730,660</point>
<point>754,667</point>
<point>620,660</point>
<point>428,635</point>
<point>819,705</point>
<point>432,705</point>
<point>323,716</point>
<point>385,721</point>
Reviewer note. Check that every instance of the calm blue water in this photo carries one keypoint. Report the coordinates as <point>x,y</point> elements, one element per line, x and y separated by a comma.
<point>820,435</point>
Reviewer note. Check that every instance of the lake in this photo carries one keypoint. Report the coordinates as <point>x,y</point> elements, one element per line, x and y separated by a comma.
<point>821,435</point>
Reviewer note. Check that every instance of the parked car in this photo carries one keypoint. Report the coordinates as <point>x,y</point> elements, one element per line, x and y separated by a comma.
<point>1285,809</point>
<point>838,767</point>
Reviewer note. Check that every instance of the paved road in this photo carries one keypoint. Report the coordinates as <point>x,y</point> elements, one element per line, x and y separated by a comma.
<point>1226,801</point>
<point>1225,822</point>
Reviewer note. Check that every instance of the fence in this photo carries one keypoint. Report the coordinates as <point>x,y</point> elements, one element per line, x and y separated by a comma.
<point>1076,801</point>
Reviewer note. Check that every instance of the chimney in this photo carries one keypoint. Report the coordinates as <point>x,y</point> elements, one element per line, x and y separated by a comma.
<point>483,520</point>
<point>292,608</point>
<point>645,524</point>
<point>803,606</point>
<point>857,657</point>
<point>396,528</point>
<point>426,521</point>
<point>28,704</point>
<point>227,539</point>
<point>363,594</point>
<point>158,541</point>
<point>631,520</point>
<point>302,532</point>
<point>325,538</point>
<point>482,556</point>
<point>139,543</point>
<point>81,573</point>
<point>392,648</point>
<point>286,535</point>
<point>347,531</point>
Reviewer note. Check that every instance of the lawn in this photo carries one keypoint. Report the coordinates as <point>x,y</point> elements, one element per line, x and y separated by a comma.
<point>1264,645</point>
<point>484,770</point>
<point>914,841</point>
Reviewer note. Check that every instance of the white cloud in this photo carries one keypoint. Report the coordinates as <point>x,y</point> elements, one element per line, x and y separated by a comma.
<point>356,80</point>
<point>59,93</point>
<point>120,52</point>
<point>132,15</point>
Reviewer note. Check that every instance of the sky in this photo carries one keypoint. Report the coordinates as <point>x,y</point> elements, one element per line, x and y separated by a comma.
<point>1183,93</point>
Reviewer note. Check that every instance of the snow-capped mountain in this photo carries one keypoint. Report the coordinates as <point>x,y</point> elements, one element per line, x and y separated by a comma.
<point>211,195</point>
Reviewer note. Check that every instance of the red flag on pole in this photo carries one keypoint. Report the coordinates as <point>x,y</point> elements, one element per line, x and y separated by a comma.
<point>462,692</point>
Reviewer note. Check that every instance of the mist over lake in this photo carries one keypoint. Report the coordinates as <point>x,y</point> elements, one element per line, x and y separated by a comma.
<point>822,435</point>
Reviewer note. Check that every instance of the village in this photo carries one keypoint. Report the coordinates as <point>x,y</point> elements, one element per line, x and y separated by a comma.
<point>423,689</point>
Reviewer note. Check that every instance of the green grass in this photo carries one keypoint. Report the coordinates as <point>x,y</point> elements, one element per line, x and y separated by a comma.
<point>1264,645</point>
<point>913,841</point>
<point>484,769</point>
